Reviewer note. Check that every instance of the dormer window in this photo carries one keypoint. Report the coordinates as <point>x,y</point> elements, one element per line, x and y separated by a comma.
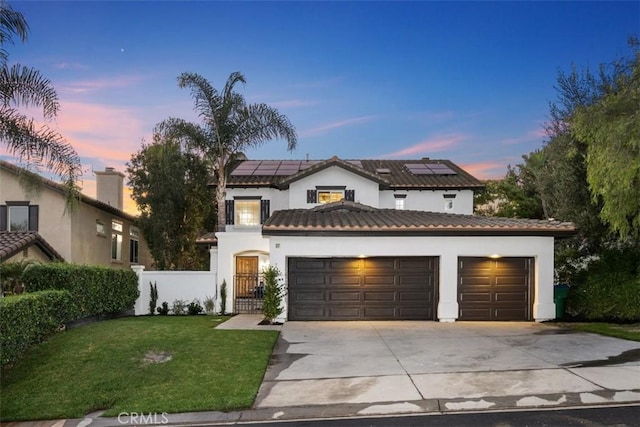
<point>330,196</point>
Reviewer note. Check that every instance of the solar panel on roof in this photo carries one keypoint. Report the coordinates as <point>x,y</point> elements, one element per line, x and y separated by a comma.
<point>444,172</point>
<point>355,162</point>
<point>422,172</point>
<point>437,166</point>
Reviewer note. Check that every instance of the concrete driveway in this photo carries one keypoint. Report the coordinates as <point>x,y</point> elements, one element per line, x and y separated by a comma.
<point>464,365</point>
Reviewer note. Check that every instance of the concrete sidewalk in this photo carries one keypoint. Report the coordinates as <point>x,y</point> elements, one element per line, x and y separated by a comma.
<point>347,369</point>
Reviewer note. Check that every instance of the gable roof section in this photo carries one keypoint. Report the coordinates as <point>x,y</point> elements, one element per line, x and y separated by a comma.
<point>16,170</point>
<point>13,242</point>
<point>334,161</point>
<point>389,174</point>
<point>348,218</point>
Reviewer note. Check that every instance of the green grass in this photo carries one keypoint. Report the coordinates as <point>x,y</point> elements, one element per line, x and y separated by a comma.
<point>627,332</point>
<point>100,366</point>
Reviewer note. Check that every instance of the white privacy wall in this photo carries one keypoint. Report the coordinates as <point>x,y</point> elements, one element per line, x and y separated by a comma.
<point>175,285</point>
<point>447,248</point>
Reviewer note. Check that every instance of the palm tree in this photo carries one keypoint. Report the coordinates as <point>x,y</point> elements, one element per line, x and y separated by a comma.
<point>229,127</point>
<point>20,86</point>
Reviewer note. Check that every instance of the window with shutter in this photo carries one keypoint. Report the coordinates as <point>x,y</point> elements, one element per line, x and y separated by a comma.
<point>229,214</point>
<point>264,211</point>
<point>312,196</point>
<point>350,195</point>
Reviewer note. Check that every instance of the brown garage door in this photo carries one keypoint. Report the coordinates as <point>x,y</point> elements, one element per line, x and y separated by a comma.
<point>495,289</point>
<point>386,288</point>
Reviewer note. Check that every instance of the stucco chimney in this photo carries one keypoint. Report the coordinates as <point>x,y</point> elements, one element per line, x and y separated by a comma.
<point>110,186</point>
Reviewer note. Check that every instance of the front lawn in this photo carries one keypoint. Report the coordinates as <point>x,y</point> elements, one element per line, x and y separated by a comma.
<point>625,331</point>
<point>103,366</point>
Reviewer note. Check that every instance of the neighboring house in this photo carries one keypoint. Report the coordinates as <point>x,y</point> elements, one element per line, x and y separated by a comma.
<point>96,232</point>
<point>18,245</point>
<point>380,239</point>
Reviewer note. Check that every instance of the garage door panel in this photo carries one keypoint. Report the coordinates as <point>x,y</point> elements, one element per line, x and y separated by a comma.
<point>475,297</point>
<point>379,280</point>
<point>344,313</point>
<point>474,281</point>
<point>475,313</point>
<point>307,296</point>
<point>369,288</point>
<point>338,280</point>
<point>379,296</point>
<point>353,296</point>
<point>491,289</point>
<point>308,264</point>
<point>510,297</point>
<point>508,314</point>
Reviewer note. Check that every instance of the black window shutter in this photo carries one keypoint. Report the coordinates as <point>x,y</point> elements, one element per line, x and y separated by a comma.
<point>312,196</point>
<point>229,212</point>
<point>350,195</point>
<point>3,218</point>
<point>33,218</point>
<point>264,210</point>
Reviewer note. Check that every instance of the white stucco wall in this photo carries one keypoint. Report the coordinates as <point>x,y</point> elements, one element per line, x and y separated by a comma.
<point>429,200</point>
<point>174,285</point>
<point>366,191</point>
<point>448,249</point>
<point>279,198</point>
<point>232,244</point>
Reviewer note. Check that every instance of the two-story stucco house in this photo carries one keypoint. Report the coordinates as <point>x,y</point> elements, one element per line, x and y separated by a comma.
<point>381,239</point>
<point>36,225</point>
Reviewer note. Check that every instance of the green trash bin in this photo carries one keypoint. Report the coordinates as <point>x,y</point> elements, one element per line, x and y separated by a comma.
<point>560,293</point>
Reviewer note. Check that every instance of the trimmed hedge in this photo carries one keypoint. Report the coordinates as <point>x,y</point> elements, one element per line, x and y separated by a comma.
<point>95,289</point>
<point>27,319</point>
<point>609,289</point>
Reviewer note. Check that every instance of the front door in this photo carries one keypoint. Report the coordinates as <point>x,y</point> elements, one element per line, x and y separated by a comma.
<point>246,284</point>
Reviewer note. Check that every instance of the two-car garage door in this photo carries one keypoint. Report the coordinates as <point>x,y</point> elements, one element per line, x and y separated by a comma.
<point>377,288</point>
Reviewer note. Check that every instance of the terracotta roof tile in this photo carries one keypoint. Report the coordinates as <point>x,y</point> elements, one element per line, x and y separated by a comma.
<point>12,242</point>
<point>353,218</point>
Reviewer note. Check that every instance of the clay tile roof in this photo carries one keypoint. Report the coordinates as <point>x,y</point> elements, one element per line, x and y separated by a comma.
<point>389,174</point>
<point>343,218</point>
<point>13,242</point>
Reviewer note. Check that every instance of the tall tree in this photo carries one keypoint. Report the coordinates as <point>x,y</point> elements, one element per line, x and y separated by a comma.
<point>170,187</point>
<point>35,145</point>
<point>229,127</point>
<point>610,127</point>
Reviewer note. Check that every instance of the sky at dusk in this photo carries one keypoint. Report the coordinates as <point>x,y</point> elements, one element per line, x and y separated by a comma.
<point>466,81</point>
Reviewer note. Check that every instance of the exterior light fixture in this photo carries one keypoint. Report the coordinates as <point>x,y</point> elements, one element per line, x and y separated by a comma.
<point>495,256</point>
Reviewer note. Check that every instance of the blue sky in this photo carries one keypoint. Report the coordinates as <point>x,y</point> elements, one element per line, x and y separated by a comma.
<point>466,81</point>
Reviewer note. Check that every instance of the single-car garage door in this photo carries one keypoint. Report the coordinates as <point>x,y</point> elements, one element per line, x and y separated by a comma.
<point>383,288</point>
<point>495,289</point>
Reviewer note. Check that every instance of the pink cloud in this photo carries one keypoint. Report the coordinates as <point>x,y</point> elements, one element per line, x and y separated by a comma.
<point>336,125</point>
<point>100,84</point>
<point>70,66</point>
<point>485,170</point>
<point>435,144</point>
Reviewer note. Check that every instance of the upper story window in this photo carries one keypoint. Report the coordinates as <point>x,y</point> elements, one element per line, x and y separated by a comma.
<point>246,211</point>
<point>449,202</point>
<point>101,230</point>
<point>400,198</point>
<point>134,244</point>
<point>18,216</point>
<point>116,240</point>
<point>328,196</point>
